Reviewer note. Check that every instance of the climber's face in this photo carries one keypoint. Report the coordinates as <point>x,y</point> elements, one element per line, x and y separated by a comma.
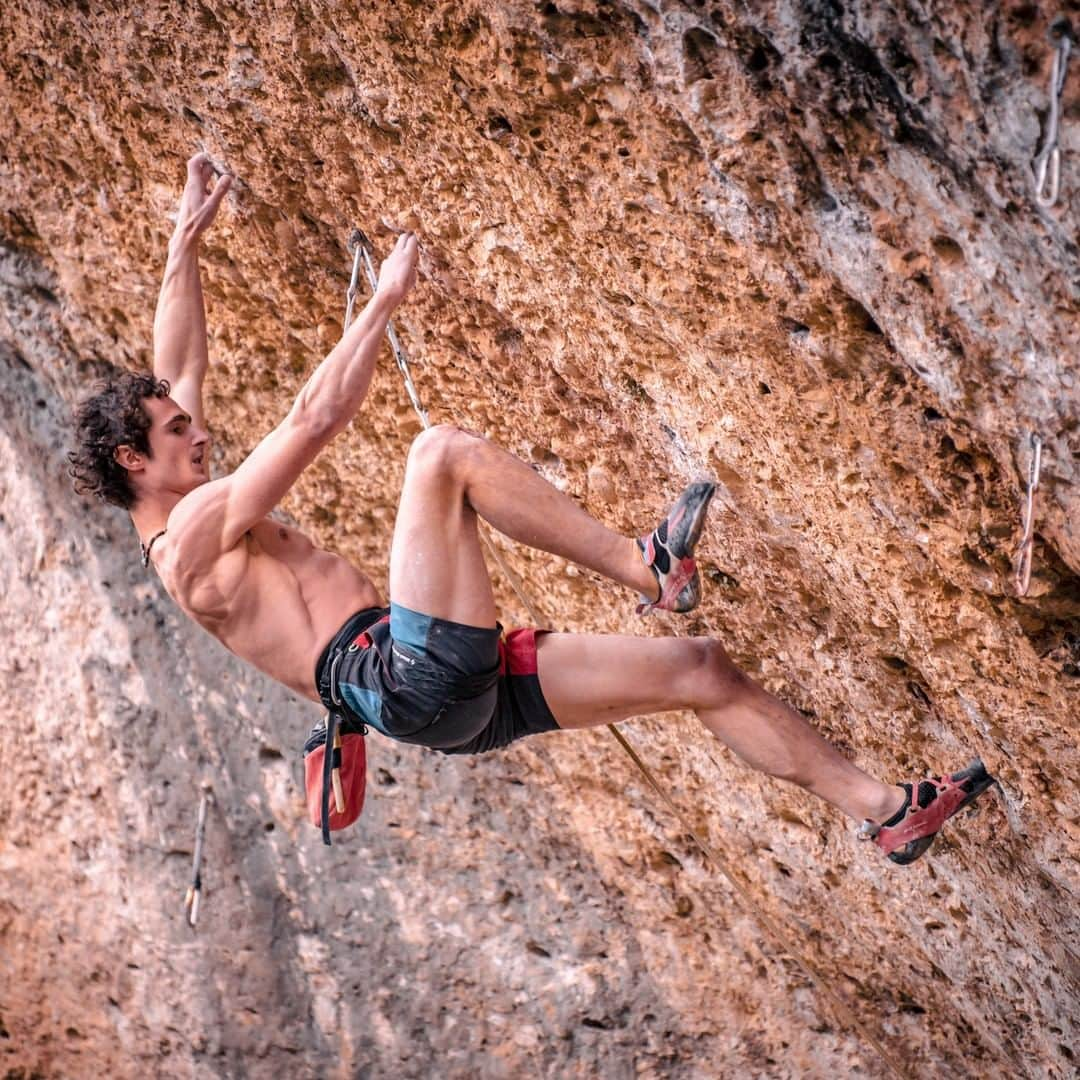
<point>179,457</point>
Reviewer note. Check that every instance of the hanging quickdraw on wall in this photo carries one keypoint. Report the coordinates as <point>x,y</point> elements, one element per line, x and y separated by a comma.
<point>1046,174</point>
<point>1046,168</point>
<point>1027,543</point>
<point>193,898</point>
<point>361,247</point>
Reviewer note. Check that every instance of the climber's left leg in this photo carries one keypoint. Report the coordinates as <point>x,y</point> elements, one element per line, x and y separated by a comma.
<point>591,679</point>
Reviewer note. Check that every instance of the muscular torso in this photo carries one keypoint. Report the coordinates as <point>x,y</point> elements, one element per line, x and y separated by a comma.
<point>274,599</point>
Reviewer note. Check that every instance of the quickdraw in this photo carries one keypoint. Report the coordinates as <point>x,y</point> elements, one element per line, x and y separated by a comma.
<point>1046,168</point>
<point>1027,544</point>
<point>361,247</point>
<point>193,897</point>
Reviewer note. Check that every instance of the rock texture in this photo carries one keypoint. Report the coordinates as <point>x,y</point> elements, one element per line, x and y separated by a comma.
<point>793,245</point>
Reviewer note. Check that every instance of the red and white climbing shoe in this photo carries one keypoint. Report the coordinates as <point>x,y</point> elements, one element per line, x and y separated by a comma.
<point>669,551</point>
<point>911,830</point>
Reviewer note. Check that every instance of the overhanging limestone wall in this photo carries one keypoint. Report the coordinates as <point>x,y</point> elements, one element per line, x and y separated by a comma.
<point>791,245</point>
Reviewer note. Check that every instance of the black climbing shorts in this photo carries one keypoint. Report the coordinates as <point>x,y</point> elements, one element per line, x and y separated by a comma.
<point>440,684</point>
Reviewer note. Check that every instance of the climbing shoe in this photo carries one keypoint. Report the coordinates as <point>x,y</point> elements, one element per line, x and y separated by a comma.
<point>930,803</point>
<point>669,551</point>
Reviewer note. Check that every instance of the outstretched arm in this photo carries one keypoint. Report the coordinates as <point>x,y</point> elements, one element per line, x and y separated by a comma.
<point>336,390</point>
<point>180,352</point>
<point>215,516</point>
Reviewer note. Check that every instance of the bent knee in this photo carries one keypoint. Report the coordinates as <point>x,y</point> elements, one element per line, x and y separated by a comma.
<point>441,448</point>
<point>719,678</point>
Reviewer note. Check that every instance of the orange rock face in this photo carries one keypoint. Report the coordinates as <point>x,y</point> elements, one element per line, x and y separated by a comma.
<point>792,246</point>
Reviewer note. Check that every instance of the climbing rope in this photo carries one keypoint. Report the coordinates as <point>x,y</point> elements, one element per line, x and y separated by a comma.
<point>362,246</point>
<point>194,894</point>
<point>1027,544</point>
<point>1046,168</point>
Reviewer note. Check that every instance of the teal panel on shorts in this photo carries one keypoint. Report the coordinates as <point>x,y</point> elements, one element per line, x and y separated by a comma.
<point>409,628</point>
<point>364,703</point>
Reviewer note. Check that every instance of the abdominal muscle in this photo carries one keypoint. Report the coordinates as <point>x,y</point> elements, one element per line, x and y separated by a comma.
<point>276,600</point>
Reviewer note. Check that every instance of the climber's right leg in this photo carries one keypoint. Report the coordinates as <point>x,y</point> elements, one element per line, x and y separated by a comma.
<point>436,563</point>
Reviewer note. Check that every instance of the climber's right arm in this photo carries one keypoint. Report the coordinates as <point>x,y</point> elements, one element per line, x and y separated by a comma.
<point>333,395</point>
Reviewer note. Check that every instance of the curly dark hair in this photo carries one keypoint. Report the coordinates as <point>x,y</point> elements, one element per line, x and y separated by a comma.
<point>113,416</point>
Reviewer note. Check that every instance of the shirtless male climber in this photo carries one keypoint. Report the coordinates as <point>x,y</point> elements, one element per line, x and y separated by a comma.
<point>433,668</point>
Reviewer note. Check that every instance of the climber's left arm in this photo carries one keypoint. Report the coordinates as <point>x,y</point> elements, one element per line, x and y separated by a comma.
<point>180,352</point>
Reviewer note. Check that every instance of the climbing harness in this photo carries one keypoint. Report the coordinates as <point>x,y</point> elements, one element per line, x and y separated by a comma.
<point>1027,544</point>
<point>1046,168</point>
<point>750,906</point>
<point>194,893</point>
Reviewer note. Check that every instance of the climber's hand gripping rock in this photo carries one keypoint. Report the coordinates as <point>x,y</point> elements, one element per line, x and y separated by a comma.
<point>397,275</point>
<point>199,204</point>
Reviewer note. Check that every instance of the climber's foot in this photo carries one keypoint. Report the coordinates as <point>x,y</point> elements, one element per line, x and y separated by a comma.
<point>669,549</point>
<point>911,830</point>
